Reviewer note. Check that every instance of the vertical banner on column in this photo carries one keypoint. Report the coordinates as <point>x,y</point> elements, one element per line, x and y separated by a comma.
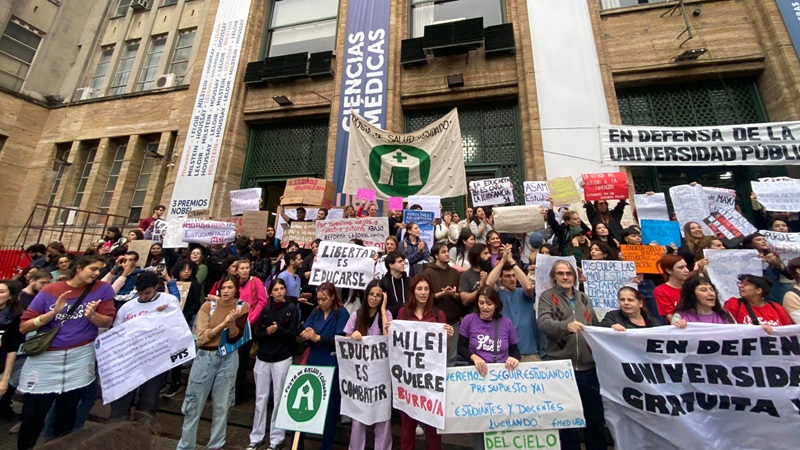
<point>365,71</point>
<point>200,156</point>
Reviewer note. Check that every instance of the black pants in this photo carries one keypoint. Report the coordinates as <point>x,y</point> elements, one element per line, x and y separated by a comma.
<point>241,373</point>
<point>34,410</point>
<point>594,434</point>
<point>149,393</point>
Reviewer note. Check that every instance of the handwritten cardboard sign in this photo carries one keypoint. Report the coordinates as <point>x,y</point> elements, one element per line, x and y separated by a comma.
<point>344,265</point>
<point>604,279</point>
<point>645,256</point>
<point>563,191</point>
<point>785,245</point>
<point>303,233</point>
<point>662,232</point>
<point>493,191</point>
<point>729,226</point>
<point>372,230</point>
<point>653,207</point>
<point>255,223</point>
<point>364,376</point>
<point>308,191</point>
<point>690,204</point>
<point>518,219</point>
<point>537,193</point>
<point>605,186</point>
<point>720,199</point>
<point>183,289</point>
<point>245,200</point>
<point>778,195</point>
<point>142,247</point>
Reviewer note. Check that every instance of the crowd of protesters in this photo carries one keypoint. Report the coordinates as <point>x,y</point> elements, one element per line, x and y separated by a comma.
<point>478,283</point>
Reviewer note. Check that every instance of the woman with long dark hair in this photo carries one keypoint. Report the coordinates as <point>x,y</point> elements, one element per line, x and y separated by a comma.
<point>631,313</point>
<point>700,303</point>
<point>415,248</point>
<point>459,254</point>
<point>10,313</point>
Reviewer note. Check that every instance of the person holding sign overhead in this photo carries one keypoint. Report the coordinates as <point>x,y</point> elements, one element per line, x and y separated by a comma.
<point>598,213</point>
<point>631,313</point>
<point>563,230</point>
<point>416,249</point>
<point>564,311</point>
<point>371,319</point>
<point>323,325</point>
<point>419,307</point>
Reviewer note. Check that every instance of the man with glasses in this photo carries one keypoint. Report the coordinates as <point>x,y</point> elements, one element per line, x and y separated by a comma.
<point>147,222</point>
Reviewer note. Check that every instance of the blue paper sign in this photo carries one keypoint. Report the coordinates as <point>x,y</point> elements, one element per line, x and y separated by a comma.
<point>664,232</point>
<point>418,216</point>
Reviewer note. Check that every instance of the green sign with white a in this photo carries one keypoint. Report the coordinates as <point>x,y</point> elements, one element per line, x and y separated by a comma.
<point>304,399</point>
<point>522,440</point>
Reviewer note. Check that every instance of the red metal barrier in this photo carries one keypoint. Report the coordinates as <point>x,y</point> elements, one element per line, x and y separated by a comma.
<point>11,260</point>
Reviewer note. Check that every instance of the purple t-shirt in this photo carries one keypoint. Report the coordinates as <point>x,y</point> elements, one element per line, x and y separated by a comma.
<point>482,338</point>
<point>374,329</point>
<point>78,329</point>
<point>692,316</point>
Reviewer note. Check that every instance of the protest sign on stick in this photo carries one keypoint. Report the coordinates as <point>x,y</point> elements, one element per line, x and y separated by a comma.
<point>140,246</point>
<point>653,207</point>
<point>663,232</point>
<point>605,186</point>
<point>729,226</point>
<point>604,279</point>
<point>129,354</point>
<point>428,203</point>
<point>504,401</point>
<point>245,200</point>
<point>303,233</point>
<point>254,223</point>
<point>785,245</point>
<point>778,196</point>
<point>344,265</point>
<point>304,399</point>
<point>690,204</point>
<point>364,378</point>
<point>518,219</point>
<point>645,256</point>
<point>659,383</point>
<point>372,230</point>
<point>418,356</point>
<point>537,193</point>
<point>563,191</point>
<point>725,266</point>
<point>493,191</point>
<point>543,265</point>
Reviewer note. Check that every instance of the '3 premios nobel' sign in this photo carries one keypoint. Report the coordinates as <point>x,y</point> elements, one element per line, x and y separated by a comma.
<point>304,399</point>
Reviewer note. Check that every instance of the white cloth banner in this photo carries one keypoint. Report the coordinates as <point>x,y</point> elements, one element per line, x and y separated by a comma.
<point>208,232</point>
<point>537,193</point>
<point>720,199</point>
<point>429,161</point>
<point>603,281</point>
<point>245,200</point>
<point>344,265</point>
<point>786,245</point>
<point>725,266</point>
<point>757,144</point>
<point>428,203</point>
<point>651,207</point>
<point>691,205</point>
<point>418,355</point>
<point>778,196</point>
<point>137,350</point>
<point>492,191</point>
<point>535,396</point>
<point>364,378</point>
<point>543,265</point>
<point>200,157</point>
<point>706,387</point>
<point>518,219</point>
<point>372,230</point>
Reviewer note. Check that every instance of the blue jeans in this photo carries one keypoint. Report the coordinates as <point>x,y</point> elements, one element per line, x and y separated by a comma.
<point>209,372</point>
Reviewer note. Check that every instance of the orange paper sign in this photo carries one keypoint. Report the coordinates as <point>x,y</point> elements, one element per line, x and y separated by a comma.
<point>644,256</point>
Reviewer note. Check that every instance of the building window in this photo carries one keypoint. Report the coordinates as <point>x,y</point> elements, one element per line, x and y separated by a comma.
<point>2,142</point>
<point>102,68</point>
<point>426,12</point>
<point>113,176</point>
<point>180,57</point>
<point>124,69</point>
<point>60,162</point>
<point>169,2</point>
<point>609,4</point>
<point>122,8</point>
<point>140,191</point>
<point>17,48</point>
<point>302,26</point>
<point>151,61</point>
<point>84,180</point>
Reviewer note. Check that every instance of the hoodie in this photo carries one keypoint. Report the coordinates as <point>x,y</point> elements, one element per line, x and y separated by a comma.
<point>441,278</point>
<point>396,291</point>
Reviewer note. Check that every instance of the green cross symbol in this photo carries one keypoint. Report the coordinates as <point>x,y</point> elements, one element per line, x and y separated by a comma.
<point>399,157</point>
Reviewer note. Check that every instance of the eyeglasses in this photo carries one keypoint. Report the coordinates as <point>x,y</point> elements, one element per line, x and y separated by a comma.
<point>375,294</point>
<point>564,274</point>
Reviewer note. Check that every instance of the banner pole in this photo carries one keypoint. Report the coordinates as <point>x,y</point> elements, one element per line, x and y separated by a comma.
<point>296,440</point>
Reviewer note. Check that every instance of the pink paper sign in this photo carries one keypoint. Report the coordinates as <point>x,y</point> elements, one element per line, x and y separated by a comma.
<point>366,194</point>
<point>395,203</point>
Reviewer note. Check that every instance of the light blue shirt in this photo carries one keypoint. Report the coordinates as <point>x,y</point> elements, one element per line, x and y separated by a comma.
<point>292,283</point>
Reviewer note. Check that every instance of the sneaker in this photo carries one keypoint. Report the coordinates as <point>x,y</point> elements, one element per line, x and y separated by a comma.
<point>15,428</point>
<point>253,446</point>
<point>173,390</point>
<point>165,388</point>
<point>419,431</point>
<point>275,446</point>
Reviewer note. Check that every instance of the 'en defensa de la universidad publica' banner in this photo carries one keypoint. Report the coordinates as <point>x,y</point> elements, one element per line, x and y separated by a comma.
<point>195,179</point>
<point>748,144</point>
<point>706,386</point>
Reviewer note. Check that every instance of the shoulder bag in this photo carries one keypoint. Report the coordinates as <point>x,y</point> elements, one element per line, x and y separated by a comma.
<point>39,343</point>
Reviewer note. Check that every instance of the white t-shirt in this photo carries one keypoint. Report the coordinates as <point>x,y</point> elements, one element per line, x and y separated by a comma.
<point>135,308</point>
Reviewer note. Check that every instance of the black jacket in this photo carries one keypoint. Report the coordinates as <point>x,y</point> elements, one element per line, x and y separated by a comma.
<point>396,291</point>
<point>281,344</point>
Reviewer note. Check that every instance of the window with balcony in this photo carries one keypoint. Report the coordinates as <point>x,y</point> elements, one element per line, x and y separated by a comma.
<point>150,66</point>
<point>180,57</point>
<point>18,47</point>
<point>427,12</point>
<point>101,69</point>
<point>302,26</point>
<point>124,68</point>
